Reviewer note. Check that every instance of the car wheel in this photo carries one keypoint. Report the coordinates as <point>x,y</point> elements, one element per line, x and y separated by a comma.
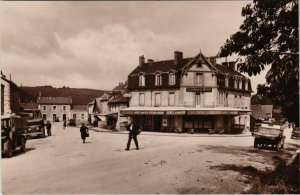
<point>23,147</point>
<point>277,146</point>
<point>7,149</point>
<point>44,134</point>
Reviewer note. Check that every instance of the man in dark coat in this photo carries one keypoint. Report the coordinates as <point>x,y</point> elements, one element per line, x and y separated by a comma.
<point>48,127</point>
<point>133,132</point>
<point>84,132</point>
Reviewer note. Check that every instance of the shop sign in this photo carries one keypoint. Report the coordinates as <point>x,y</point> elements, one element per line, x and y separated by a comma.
<point>203,112</point>
<point>178,112</point>
<point>230,112</point>
<point>198,89</point>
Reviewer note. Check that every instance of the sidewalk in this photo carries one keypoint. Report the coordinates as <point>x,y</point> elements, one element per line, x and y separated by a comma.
<point>98,129</point>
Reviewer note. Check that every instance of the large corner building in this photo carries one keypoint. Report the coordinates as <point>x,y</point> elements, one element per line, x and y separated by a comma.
<point>188,93</point>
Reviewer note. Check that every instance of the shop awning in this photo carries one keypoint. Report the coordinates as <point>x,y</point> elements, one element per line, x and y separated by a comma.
<point>183,111</point>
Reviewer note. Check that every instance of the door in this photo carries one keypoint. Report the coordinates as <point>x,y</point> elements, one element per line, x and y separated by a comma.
<point>54,117</point>
<point>64,117</point>
<point>157,123</point>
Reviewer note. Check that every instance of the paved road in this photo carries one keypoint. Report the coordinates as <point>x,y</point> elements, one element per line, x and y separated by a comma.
<point>164,164</point>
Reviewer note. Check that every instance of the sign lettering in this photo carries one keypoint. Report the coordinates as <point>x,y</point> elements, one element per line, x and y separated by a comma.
<point>198,89</point>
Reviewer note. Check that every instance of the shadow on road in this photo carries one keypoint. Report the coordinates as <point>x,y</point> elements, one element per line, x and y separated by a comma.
<point>19,152</point>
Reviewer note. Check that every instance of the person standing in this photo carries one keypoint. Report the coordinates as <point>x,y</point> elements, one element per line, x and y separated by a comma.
<point>133,132</point>
<point>65,123</point>
<point>48,126</point>
<point>84,131</point>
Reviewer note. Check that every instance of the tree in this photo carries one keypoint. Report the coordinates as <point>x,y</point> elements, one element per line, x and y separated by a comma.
<point>269,37</point>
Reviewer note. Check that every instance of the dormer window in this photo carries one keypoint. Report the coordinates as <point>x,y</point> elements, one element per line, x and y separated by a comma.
<point>171,78</point>
<point>199,79</point>
<point>246,85</point>
<point>158,79</point>
<point>235,84</point>
<point>226,81</point>
<point>142,80</point>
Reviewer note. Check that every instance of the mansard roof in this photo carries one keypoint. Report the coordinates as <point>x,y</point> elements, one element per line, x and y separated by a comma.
<point>226,70</point>
<point>163,66</point>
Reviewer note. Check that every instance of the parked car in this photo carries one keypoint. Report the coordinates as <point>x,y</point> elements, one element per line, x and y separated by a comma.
<point>72,122</point>
<point>295,132</point>
<point>12,134</point>
<point>270,134</point>
<point>35,128</point>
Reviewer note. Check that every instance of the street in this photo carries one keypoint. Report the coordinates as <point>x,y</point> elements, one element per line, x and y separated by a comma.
<point>165,163</point>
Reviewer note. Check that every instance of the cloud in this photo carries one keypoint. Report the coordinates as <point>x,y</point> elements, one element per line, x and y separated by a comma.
<point>97,44</point>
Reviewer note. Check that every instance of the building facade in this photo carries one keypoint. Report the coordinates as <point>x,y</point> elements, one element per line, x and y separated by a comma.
<point>109,105</point>
<point>79,113</point>
<point>55,108</point>
<point>188,93</point>
<point>10,96</point>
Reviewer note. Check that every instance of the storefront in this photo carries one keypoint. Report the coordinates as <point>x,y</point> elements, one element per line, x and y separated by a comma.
<point>184,120</point>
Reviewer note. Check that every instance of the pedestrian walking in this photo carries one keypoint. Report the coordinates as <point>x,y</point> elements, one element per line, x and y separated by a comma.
<point>134,130</point>
<point>84,131</point>
<point>48,126</point>
<point>65,124</point>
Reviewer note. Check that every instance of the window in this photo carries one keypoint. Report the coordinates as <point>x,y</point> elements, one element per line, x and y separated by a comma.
<point>171,98</point>
<point>199,65</point>
<point>142,99</point>
<point>54,107</point>
<point>221,98</point>
<point>157,99</point>
<point>142,80</point>
<point>64,108</point>
<point>44,108</point>
<point>44,116</point>
<point>235,84</point>
<point>235,101</point>
<point>157,79</point>
<point>198,99</point>
<point>82,116</point>
<point>199,79</point>
<point>74,116</point>
<point>226,82</point>
<point>172,78</point>
<point>2,99</point>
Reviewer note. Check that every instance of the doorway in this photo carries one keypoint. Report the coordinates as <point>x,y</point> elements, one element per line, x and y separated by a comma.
<point>157,123</point>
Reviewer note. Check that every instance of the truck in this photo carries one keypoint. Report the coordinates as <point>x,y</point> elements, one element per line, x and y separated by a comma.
<point>12,134</point>
<point>35,128</point>
<point>270,134</point>
<point>34,123</point>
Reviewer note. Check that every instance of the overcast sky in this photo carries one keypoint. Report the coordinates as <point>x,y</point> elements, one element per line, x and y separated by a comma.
<point>97,44</point>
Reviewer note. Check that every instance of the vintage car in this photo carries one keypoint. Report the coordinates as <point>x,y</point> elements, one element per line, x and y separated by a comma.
<point>12,134</point>
<point>270,134</point>
<point>295,132</point>
<point>35,128</point>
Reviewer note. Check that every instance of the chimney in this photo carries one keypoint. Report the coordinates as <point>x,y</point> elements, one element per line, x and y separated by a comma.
<point>213,60</point>
<point>231,65</point>
<point>178,55</point>
<point>141,61</point>
<point>150,60</point>
<point>224,63</point>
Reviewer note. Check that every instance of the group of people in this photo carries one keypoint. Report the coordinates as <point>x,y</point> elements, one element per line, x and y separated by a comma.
<point>133,129</point>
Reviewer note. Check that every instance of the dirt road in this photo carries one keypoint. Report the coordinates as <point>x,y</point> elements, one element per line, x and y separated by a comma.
<point>164,164</point>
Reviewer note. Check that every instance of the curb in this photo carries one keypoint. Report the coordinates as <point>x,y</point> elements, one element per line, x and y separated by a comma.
<point>171,134</point>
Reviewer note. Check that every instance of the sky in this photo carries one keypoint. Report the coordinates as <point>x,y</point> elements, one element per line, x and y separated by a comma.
<point>96,44</point>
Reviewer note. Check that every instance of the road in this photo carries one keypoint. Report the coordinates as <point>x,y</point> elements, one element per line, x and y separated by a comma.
<point>62,164</point>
